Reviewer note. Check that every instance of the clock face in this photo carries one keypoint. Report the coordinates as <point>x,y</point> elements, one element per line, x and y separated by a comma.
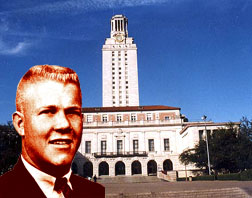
<point>119,37</point>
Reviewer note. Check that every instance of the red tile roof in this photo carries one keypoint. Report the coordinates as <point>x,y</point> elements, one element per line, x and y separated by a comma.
<point>128,108</point>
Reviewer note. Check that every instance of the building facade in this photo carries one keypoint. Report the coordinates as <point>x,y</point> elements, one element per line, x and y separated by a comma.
<point>119,66</point>
<point>138,140</point>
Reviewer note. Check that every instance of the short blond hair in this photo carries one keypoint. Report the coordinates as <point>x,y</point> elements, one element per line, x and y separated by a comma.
<point>44,72</point>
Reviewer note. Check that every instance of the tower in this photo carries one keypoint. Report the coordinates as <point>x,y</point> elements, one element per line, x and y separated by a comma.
<point>119,66</point>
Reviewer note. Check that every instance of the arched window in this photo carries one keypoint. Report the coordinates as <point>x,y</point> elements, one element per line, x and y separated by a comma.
<point>152,167</point>
<point>167,165</point>
<point>136,168</point>
<point>103,168</point>
<point>120,168</point>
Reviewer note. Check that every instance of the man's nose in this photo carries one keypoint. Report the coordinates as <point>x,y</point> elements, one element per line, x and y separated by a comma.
<point>62,121</point>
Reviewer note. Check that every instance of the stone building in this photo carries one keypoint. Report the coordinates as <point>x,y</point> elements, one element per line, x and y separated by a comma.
<point>137,140</point>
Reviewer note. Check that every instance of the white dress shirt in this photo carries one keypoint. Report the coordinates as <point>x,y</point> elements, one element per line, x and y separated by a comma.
<point>46,182</point>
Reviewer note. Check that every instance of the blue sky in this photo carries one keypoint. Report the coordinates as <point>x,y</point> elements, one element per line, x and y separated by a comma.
<point>192,54</point>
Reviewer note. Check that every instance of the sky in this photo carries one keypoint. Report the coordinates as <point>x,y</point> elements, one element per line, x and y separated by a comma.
<point>192,54</point>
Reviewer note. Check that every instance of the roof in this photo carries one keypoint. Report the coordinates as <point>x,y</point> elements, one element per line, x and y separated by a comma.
<point>128,108</point>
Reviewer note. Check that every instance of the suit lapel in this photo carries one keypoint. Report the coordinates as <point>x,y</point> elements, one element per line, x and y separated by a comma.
<point>25,183</point>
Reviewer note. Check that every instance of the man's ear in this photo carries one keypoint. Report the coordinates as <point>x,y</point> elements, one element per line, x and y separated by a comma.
<point>18,122</point>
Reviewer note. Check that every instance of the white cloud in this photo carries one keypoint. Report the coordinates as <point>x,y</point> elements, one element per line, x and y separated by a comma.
<point>81,5</point>
<point>18,49</point>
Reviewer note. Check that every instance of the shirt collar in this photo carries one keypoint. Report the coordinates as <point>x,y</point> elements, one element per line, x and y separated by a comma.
<point>45,181</point>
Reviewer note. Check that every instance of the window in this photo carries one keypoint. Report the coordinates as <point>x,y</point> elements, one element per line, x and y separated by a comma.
<point>127,87</point>
<point>113,87</point>
<point>127,82</point>
<point>103,146</point>
<point>149,116</point>
<point>119,118</point>
<point>151,145</point>
<point>87,146</point>
<point>135,146</point>
<point>105,116</point>
<point>119,147</point>
<point>166,144</point>
<point>113,68</point>
<point>113,63</point>
<point>89,118</point>
<point>120,68</point>
<point>133,117</point>
<point>113,73</point>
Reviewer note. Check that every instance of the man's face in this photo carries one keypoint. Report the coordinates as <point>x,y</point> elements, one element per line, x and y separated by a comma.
<point>52,123</point>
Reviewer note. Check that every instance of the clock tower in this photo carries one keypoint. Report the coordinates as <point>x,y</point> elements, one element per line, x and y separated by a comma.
<point>119,66</point>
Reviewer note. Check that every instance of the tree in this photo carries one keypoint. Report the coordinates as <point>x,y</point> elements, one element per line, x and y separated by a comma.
<point>230,150</point>
<point>10,147</point>
<point>246,127</point>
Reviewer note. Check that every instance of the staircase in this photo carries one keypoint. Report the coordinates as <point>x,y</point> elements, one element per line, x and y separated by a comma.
<point>128,179</point>
<point>168,176</point>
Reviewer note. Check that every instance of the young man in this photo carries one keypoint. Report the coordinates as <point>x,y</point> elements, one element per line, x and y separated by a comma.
<point>49,120</point>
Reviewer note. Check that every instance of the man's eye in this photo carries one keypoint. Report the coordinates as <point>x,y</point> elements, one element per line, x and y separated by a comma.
<point>73,112</point>
<point>48,111</point>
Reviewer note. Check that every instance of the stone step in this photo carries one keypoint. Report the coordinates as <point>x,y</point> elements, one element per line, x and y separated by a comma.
<point>216,193</point>
<point>128,179</point>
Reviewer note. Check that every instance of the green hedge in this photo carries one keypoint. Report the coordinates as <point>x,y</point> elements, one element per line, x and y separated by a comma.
<point>243,176</point>
<point>231,176</point>
<point>246,175</point>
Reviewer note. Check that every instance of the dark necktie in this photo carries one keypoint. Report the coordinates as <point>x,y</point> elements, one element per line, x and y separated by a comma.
<point>62,186</point>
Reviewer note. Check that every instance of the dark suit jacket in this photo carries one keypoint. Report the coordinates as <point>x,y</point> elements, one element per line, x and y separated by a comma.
<point>19,183</point>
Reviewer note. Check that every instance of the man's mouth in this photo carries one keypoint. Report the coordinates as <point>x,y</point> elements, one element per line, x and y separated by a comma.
<point>61,141</point>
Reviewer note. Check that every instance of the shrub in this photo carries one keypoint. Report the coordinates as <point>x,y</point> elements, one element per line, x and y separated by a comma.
<point>231,176</point>
<point>246,175</point>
